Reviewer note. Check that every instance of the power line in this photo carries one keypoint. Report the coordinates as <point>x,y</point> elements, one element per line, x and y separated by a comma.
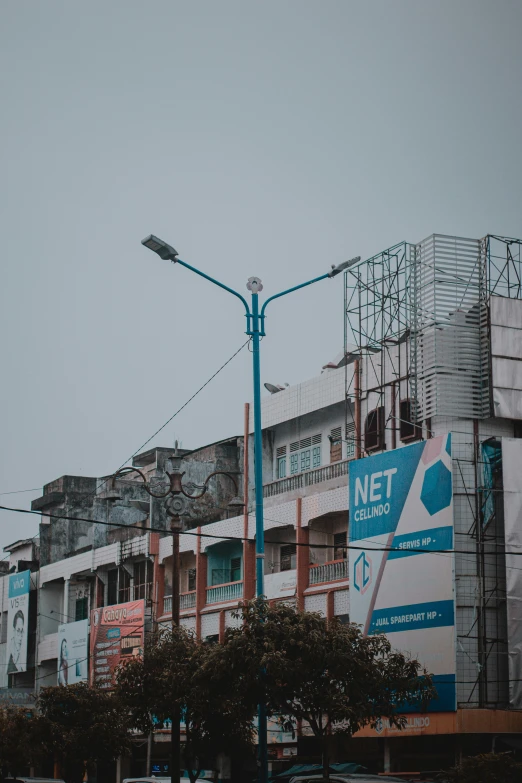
<point>413,550</point>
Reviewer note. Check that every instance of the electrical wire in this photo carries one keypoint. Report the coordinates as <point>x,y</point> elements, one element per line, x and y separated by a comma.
<point>416,550</point>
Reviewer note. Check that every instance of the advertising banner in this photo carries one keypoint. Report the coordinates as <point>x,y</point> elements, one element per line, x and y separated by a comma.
<point>73,652</point>
<point>117,634</point>
<point>511,461</point>
<point>18,621</point>
<point>401,515</point>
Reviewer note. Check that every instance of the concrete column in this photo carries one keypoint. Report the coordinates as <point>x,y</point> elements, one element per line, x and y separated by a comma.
<point>302,556</point>
<point>201,583</point>
<point>387,755</point>
<point>65,613</point>
<point>222,619</point>
<point>158,588</point>
<point>330,610</point>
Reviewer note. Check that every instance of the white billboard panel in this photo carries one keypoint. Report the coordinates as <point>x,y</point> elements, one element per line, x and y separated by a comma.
<point>73,641</point>
<point>401,516</point>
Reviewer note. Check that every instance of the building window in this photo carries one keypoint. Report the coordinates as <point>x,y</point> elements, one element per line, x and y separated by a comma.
<point>281,462</point>
<point>408,429</point>
<point>124,586</point>
<point>336,445</point>
<point>82,609</point>
<point>235,569</point>
<point>305,454</point>
<point>351,436</point>
<point>374,430</point>
<point>340,549</point>
<point>142,580</point>
<point>112,587</point>
<point>288,557</point>
<point>191,579</point>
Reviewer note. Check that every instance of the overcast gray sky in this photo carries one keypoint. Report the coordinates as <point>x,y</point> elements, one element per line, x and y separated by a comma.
<point>269,138</point>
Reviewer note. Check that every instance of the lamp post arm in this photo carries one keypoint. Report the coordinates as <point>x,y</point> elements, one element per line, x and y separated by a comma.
<point>283,293</point>
<point>216,282</point>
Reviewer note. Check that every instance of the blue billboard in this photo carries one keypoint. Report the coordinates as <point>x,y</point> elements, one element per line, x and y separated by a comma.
<point>401,516</point>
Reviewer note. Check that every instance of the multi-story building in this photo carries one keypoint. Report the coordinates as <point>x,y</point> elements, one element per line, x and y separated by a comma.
<point>431,348</point>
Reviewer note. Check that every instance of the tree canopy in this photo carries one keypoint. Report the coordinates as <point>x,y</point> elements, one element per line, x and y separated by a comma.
<point>326,674</point>
<point>486,768</point>
<point>21,739</point>
<point>178,670</point>
<point>82,724</point>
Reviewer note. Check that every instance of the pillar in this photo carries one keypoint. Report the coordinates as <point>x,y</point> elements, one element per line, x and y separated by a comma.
<point>201,583</point>
<point>302,555</point>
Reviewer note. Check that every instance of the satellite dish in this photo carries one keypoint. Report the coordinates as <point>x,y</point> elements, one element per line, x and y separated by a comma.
<point>273,389</point>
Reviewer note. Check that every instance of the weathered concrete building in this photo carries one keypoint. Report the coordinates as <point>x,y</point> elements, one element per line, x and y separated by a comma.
<point>432,348</point>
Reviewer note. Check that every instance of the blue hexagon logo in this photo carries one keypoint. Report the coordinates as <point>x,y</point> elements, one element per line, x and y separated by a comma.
<point>436,488</point>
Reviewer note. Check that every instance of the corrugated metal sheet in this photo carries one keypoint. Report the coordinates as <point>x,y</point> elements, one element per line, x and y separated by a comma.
<point>511,460</point>
<point>506,353</point>
<point>450,355</point>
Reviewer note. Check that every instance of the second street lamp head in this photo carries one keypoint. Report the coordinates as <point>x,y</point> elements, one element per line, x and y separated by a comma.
<point>160,247</point>
<point>336,270</point>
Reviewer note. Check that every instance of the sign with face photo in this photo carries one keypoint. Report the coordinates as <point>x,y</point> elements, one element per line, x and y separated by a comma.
<point>17,621</point>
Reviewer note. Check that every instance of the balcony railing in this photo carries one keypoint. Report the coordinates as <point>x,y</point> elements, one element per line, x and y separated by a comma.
<point>221,593</point>
<point>328,572</point>
<point>300,480</point>
<point>186,601</point>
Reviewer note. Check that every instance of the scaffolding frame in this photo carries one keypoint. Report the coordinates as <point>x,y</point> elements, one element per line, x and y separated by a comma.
<point>416,313</point>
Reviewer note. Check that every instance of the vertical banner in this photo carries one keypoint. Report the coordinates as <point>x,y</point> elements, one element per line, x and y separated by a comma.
<point>117,634</point>
<point>18,621</point>
<point>401,512</point>
<point>73,652</point>
<point>511,462</point>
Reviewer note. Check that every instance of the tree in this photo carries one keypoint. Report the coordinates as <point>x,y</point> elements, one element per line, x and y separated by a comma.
<point>177,670</point>
<point>486,768</point>
<point>21,735</point>
<point>325,673</point>
<point>83,725</point>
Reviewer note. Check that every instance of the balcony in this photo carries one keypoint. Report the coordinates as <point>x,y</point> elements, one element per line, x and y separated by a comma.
<point>307,479</point>
<point>329,572</point>
<point>186,601</point>
<point>222,593</point>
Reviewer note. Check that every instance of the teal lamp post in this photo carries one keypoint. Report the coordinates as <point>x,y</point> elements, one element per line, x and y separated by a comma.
<point>255,328</point>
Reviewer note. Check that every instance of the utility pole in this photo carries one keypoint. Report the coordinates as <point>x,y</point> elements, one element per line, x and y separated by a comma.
<point>255,328</point>
<point>175,752</point>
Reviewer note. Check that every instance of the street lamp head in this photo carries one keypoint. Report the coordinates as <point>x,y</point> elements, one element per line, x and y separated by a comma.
<point>160,247</point>
<point>336,270</point>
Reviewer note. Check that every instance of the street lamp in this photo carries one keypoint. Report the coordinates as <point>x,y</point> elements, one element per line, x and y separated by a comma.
<point>176,493</point>
<point>255,328</point>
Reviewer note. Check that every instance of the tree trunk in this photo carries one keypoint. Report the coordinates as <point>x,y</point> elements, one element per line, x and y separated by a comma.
<point>326,756</point>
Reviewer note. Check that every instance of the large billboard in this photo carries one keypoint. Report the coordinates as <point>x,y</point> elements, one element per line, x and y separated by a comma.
<point>512,495</point>
<point>116,635</point>
<point>73,641</point>
<point>401,516</point>
<point>18,621</point>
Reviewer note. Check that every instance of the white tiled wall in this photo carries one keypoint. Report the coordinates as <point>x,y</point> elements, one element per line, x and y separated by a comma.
<point>311,395</point>
<point>316,603</point>
<point>209,624</point>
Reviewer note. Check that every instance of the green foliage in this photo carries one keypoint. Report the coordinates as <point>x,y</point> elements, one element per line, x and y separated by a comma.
<point>486,768</point>
<point>325,673</point>
<point>21,738</point>
<point>83,724</point>
<point>177,670</point>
